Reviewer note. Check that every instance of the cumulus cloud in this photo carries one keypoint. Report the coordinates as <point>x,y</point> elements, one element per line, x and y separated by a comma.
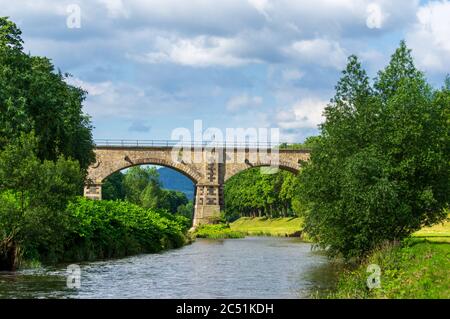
<point>430,36</point>
<point>323,52</point>
<point>375,16</point>
<point>305,113</point>
<point>201,51</point>
<point>243,101</point>
<point>146,58</point>
<point>126,101</point>
<point>261,6</point>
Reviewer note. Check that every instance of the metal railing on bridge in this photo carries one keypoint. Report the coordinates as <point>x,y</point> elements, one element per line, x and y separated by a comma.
<point>177,143</point>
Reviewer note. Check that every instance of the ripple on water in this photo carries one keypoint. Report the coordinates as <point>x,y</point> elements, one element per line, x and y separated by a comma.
<point>251,267</point>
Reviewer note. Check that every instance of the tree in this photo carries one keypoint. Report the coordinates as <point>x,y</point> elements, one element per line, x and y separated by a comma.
<point>251,193</point>
<point>186,210</point>
<point>136,179</point>
<point>141,186</point>
<point>33,97</point>
<point>33,198</point>
<point>379,169</point>
<point>113,188</point>
<point>171,200</point>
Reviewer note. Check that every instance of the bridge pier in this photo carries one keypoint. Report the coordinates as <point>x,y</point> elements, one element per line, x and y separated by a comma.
<point>93,191</point>
<point>208,203</point>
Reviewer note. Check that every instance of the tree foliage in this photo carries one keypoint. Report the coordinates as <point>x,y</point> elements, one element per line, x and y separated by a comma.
<point>140,185</point>
<point>251,193</point>
<point>380,168</point>
<point>33,97</point>
<point>33,197</point>
<point>106,229</point>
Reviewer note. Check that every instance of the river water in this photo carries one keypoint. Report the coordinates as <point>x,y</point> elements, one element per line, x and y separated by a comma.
<point>252,267</point>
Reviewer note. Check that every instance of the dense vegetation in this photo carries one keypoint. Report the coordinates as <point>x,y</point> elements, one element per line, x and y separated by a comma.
<point>33,197</point>
<point>45,147</point>
<point>141,185</point>
<point>105,229</point>
<point>35,98</point>
<point>252,193</point>
<point>380,168</point>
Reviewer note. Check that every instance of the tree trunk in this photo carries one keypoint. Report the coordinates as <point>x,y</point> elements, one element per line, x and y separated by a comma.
<point>9,254</point>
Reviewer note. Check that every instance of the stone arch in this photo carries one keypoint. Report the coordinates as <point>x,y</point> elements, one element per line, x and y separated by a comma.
<point>284,165</point>
<point>190,173</point>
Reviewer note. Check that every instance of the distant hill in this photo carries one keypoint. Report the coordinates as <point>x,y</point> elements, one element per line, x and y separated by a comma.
<point>173,180</point>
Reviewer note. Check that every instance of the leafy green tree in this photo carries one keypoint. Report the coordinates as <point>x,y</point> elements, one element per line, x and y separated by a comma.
<point>33,97</point>
<point>113,188</point>
<point>379,170</point>
<point>186,210</point>
<point>136,180</point>
<point>152,196</point>
<point>33,197</point>
<point>251,193</point>
<point>171,200</point>
<point>141,186</point>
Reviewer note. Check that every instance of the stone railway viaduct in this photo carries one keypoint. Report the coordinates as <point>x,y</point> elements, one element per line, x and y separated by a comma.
<point>208,168</point>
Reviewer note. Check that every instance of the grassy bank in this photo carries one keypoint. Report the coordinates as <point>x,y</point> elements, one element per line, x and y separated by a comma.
<point>217,231</point>
<point>262,226</point>
<point>417,268</point>
<point>257,226</point>
<point>436,233</point>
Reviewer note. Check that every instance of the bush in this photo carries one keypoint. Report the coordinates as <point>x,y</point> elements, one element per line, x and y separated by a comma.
<point>105,229</point>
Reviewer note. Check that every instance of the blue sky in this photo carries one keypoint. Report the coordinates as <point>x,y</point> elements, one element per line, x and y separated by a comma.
<point>152,66</point>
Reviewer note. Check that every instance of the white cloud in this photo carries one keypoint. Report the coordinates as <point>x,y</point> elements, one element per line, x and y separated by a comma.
<point>318,51</point>
<point>261,6</point>
<point>430,36</point>
<point>243,101</point>
<point>201,51</point>
<point>93,89</point>
<point>375,16</point>
<point>305,113</point>
<point>126,101</point>
<point>115,8</point>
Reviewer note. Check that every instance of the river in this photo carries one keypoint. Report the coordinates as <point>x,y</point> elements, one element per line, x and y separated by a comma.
<point>252,267</point>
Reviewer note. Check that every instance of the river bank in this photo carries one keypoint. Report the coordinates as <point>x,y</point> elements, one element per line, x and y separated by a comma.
<point>419,267</point>
<point>254,226</point>
<point>99,230</point>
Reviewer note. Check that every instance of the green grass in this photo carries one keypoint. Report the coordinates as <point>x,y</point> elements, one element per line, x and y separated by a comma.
<point>217,231</point>
<point>262,226</point>
<point>436,233</point>
<point>414,270</point>
<point>419,268</point>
